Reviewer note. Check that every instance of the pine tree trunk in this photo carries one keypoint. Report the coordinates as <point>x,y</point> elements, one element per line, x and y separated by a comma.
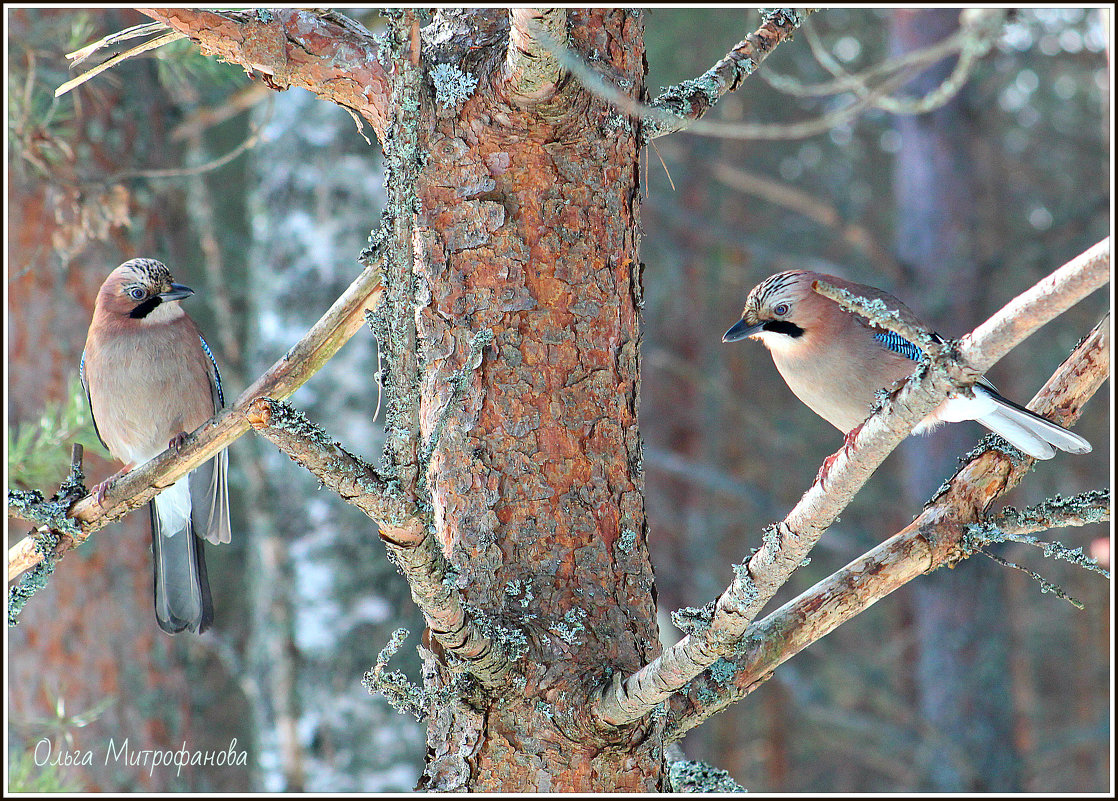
<point>525,247</point>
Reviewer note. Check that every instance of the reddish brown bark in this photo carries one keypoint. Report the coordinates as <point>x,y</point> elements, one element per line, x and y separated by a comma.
<point>523,224</point>
<point>528,230</point>
<point>291,47</point>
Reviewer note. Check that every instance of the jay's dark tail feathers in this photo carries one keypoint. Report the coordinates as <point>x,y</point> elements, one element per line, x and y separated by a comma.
<point>182,591</point>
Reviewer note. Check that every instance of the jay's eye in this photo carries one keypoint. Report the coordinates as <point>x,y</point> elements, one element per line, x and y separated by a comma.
<point>780,309</point>
<point>136,293</point>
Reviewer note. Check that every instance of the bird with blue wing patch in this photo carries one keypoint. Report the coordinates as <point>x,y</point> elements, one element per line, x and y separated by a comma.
<point>150,378</point>
<point>835,361</point>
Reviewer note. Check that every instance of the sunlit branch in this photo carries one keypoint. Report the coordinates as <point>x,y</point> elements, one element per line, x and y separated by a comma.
<point>786,544</point>
<point>143,483</point>
<point>935,538</point>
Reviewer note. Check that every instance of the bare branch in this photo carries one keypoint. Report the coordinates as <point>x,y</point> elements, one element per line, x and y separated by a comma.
<point>140,485</point>
<point>404,528</point>
<point>688,101</point>
<point>681,106</point>
<point>151,44</point>
<point>294,47</point>
<point>921,58</point>
<point>532,71</point>
<point>933,539</point>
<point>979,32</point>
<point>136,31</point>
<point>787,543</point>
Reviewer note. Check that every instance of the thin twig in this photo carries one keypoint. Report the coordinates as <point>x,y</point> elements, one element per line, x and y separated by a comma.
<point>975,40</point>
<point>914,58</point>
<point>680,107</point>
<point>1045,584</point>
<point>198,169</point>
<point>158,41</point>
<point>144,29</point>
<point>687,102</point>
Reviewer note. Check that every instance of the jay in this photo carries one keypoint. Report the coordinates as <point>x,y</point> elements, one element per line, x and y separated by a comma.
<point>835,362</point>
<point>150,378</point>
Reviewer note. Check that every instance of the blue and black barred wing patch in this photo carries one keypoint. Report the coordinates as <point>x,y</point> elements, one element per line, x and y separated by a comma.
<point>899,344</point>
<point>217,374</point>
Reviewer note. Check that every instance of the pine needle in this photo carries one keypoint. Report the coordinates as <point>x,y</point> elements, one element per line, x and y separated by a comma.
<point>662,164</point>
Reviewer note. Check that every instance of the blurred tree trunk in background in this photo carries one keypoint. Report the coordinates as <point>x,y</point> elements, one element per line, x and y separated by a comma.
<point>962,674</point>
<point>320,592</point>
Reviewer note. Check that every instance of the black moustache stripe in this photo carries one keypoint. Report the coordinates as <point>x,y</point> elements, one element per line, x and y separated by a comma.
<point>145,308</point>
<point>784,327</point>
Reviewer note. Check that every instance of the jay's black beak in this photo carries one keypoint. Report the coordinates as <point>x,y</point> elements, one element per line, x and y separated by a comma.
<point>741,330</point>
<point>176,292</point>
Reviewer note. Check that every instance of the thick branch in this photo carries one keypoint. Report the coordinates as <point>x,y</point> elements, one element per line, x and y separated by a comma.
<point>140,485</point>
<point>786,544</point>
<point>532,70</point>
<point>933,539</point>
<point>326,53</point>
<point>403,528</point>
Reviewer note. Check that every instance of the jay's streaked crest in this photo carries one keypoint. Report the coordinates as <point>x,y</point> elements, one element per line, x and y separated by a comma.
<point>835,361</point>
<point>150,379</point>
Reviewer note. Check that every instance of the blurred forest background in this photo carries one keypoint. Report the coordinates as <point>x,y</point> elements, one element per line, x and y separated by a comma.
<point>965,680</point>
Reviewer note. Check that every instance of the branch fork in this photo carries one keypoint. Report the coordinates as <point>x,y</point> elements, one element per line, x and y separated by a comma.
<point>773,563</point>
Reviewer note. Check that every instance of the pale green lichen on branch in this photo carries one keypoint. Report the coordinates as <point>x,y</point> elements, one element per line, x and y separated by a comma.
<point>691,619</point>
<point>699,777</point>
<point>402,695</point>
<point>1011,525</point>
<point>452,86</point>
